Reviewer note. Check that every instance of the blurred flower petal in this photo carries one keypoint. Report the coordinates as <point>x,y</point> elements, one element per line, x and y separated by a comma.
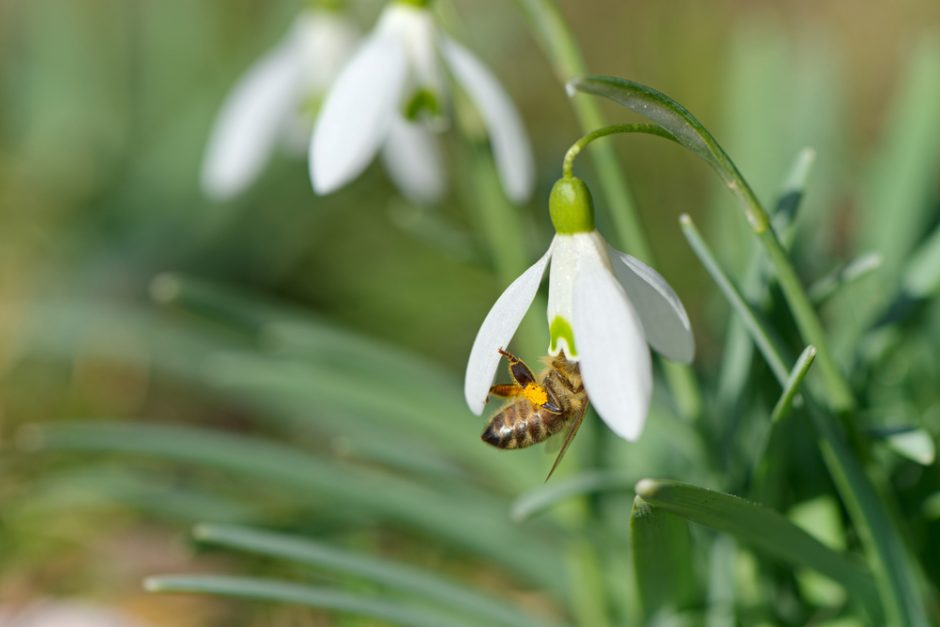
<point>511,148</point>
<point>251,122</point>
<point>414,161</point>
<point>665,323</point>
<point>615,361</point>
<point>357,113</point>
<point>497,330</point>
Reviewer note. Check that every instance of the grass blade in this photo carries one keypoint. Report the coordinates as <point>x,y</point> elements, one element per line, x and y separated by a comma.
<point>768,344</point>
<point>792,386</point>
<point>470,519</point>
<point>739,350</point>
<point>762,528</point>
<point>897,582</point>
<point>662,558</point>
<point>855,270</point>
<point>459,597</point>
<point>545,497</point>
<point>288,592</point>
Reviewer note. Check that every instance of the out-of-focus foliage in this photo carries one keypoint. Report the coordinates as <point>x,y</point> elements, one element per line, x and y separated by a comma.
<point>285,369</point>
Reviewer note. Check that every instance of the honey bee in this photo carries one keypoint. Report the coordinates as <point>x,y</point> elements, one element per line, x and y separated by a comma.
<point>538,408</point>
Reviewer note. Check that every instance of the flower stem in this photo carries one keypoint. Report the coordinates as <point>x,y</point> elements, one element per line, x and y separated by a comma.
<point>614,129</point>
<point>559,45</point>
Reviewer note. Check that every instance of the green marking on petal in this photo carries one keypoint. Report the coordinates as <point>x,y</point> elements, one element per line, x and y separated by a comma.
<point>423,103</point>
<point>310,107</point>
<point>561,329</point>
<point>571,206</point>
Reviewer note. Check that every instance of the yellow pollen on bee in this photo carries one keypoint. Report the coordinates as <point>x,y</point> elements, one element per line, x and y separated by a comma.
<point>535,394</point>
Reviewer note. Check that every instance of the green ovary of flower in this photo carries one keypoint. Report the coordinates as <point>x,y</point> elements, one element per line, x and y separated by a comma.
<point>571,206</point>
<point>560,329</point>
<point>415,3</point>
<point>423,102</point>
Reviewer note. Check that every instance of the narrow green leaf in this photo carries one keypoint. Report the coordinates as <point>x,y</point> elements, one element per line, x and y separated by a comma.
<point>721,584</point>
<point>760,527</point>
<point>922,274</point>
<point>457,596</point>
<point>761,460</point>
<point>545,497</point>
<point>768,344</point>
<point>855,270</point>
<point>345,402</point>
<point>99,486</point>
<point>792,386</point>
<point>662,559</point>
<point>897,582</point>
<point>466,517</point>
<point>739,349</point>
<point>294,331</point>
<point>287,592</point>
<point>896,205</point>
<point>897,202</point>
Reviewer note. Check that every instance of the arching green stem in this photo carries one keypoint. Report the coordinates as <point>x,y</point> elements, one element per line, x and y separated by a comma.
<point>686,129</point>
<point>614,129</point>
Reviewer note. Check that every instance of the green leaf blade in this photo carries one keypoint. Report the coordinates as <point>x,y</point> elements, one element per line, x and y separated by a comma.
<point>662,559</point>
<point>392,574</point>
<point>289,592</point>
<point>762,528</point>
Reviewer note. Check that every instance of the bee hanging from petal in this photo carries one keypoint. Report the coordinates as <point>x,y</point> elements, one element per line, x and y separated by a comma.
<point>538,407</point>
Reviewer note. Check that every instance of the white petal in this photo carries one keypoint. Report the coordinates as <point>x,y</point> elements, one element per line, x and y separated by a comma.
<point>412,156</point>
<point>665,323</point>
<point>355,118</point>
<point>511,147</point>
<point>250,123</point>
<point>326,40</point>
<point>565,255</point>
<point>415,26</point>
<point>615,360</point>
<point>497,330</point>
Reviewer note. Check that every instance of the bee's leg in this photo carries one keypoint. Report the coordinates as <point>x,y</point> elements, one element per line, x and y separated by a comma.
<point>504,391</point>
<point>517,368</point>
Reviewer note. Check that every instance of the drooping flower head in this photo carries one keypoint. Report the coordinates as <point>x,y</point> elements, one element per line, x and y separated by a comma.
<point>393,97</point>
<point>275,102</point>
<point>604,309</point>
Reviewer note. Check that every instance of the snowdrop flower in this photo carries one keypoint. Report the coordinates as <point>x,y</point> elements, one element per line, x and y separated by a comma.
<point>392,97</point>
<point>274,101</point>
<point>604,307</point>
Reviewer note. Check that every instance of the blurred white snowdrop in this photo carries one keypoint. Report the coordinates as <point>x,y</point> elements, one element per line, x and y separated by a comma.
<point>604,308</point>
<point>275,102</point>
<point>393,97</point>
<point>66,614</point>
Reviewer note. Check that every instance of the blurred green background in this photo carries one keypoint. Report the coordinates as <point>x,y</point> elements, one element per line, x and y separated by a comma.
<point>321,323</point>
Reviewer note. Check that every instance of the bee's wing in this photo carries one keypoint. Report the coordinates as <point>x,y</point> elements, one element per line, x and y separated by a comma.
<point>569,436</point>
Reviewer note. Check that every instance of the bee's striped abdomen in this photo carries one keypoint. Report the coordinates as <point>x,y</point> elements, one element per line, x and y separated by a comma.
<point>520,425</point>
